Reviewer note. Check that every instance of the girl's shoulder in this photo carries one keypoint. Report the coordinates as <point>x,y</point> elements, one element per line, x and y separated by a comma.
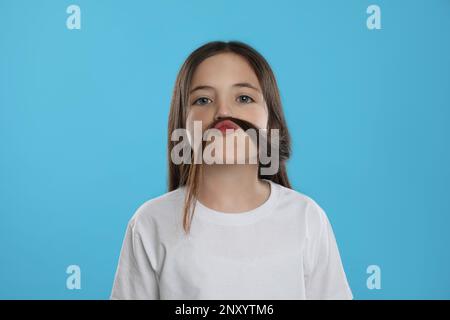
<point>158,210</point>
<point>305,205</point>
<point>295,197</point>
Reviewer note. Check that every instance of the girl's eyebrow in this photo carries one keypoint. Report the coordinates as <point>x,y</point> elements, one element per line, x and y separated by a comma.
<point>246,85</point>
<point>240,85</point>
<point>200,88</point>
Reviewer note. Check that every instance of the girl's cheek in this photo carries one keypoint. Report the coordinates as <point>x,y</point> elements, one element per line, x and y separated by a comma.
<point>197,115</point>
<point>258,117</point>
<point>190,122</point>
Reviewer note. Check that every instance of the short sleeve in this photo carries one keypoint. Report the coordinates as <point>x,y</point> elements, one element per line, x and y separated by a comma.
<point>325,278</point>
<point>135,278</point>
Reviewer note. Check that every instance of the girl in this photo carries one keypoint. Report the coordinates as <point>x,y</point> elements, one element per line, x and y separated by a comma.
<point>226,231</point>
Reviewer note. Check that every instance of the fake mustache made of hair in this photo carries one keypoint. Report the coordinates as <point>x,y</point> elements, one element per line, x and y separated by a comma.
<point>261,140</point>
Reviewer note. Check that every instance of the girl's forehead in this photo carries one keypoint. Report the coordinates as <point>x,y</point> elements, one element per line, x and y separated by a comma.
<point>224,68</point>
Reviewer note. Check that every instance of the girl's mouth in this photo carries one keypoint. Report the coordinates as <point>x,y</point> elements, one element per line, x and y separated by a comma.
<point>226,124</point>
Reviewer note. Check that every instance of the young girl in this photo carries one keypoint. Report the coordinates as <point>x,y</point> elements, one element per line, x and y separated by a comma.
<point>226,231</point>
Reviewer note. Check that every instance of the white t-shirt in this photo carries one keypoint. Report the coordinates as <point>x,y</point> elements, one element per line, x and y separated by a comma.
<point>283,249</point>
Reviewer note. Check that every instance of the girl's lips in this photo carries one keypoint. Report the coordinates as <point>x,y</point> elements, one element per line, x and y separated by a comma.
<point>226,124</point>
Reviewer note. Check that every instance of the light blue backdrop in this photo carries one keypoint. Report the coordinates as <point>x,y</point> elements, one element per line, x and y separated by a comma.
<point>83,118</point>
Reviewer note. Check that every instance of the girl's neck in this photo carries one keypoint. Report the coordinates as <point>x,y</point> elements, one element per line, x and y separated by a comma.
<point>232,188</point>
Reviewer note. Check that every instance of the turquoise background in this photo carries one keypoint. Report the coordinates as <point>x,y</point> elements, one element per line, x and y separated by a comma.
<point>83,118</point>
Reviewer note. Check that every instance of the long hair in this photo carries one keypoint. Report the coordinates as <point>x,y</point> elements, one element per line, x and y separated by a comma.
<point>188,174</point>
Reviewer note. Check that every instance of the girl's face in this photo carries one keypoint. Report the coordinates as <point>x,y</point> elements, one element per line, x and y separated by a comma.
<point>225,85</point>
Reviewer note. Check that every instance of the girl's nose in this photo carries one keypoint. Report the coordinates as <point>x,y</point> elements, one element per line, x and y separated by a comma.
<point>222,111</point>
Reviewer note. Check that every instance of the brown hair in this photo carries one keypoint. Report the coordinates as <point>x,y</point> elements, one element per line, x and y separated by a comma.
<point>188,175</point>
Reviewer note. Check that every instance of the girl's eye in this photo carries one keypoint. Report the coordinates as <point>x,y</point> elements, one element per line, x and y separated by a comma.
<point>246,99</point>
<point>201,101</point>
